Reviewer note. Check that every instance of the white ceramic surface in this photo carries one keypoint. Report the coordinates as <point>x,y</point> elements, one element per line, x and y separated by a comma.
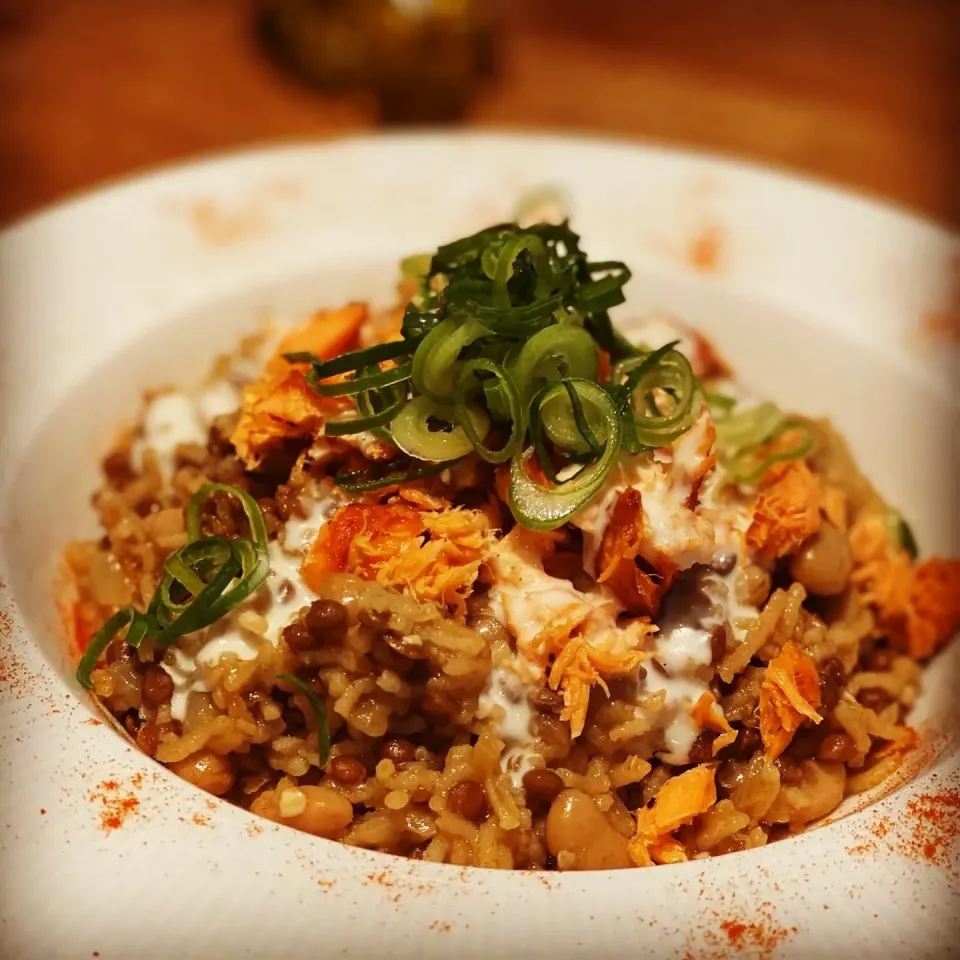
<point>823,301</point>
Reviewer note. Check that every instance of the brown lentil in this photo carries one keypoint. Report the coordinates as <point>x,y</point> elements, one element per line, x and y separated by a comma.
<point>875,699</point>
<point>546,700</point>
<point>881,659</point>
<point>298,637</point>
<point>326,620</point>
<point>718,643</point>
<point>541,785</point>
<point>832,680</point>
<point>347,770</point>
<point>702,749</point>
<point>375,619</point>
<point>747,743</point>
<point>837,746</point>
<point>287,501</point>
<point>467,799</point>
<point>399,751</point>
<point>117,469</point>
<point>271,518</point>
<point>156,687</point>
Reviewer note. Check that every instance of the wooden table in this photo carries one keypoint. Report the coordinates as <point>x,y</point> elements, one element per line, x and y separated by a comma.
<point>857,91</point>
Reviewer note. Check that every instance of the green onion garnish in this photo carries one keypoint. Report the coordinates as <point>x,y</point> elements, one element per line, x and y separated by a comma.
<point>900,533</point>
<point>751,463</point>
<point>319,712</point>
<point>501,318</point>
<point>388,475</point>
<point>202,582</point>
<point>546,508</point>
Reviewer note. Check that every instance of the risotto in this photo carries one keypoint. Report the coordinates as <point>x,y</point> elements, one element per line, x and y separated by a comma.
<point>477,580</point>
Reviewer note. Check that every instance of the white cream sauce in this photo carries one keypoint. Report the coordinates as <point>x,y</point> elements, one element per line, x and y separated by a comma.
<point>278,601</point>
<point>505,701</point>
<point>175,418</point>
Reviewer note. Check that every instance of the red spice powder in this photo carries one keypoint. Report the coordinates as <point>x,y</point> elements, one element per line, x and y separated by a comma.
<point>116,807</point>
<point>943,327</point>
<point>935,826</point>
<point>705,250</point>
<point>758,933</point>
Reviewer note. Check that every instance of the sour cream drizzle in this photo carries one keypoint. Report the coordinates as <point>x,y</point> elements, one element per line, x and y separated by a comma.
<point>278,601</point>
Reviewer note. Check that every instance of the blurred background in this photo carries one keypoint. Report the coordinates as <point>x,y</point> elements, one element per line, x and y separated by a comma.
<point>860,92</point>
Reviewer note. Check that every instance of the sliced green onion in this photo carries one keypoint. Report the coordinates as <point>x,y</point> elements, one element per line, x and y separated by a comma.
<point>748,428</point>
<point>416,324</point>
<point>517,322</point>
<point>559,350</point>
<point>546,508</point>
<point>235,579</point>
<point>720,404</point>
<point>505,267</point>
<point>360,384</point>
<point>507,395</point>
<point>101,640</point>
<point>600,295</point>
<point>435,362</point>
<point>665,370</point>
<point>389,475</point>
<point>319,712</point>
<point>416,265</point>
<point>750,464</point>
<point>349,426</point>
<point>467,250</point>
<point>354,360</point>
<point>258,529</point>
<point>900,533</point>
<point>412,434</point>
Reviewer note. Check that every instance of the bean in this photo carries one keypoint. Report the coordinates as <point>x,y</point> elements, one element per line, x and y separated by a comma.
<point>327,814</point>
<point>326,620</point>
<point>541,785</point>
<point>575,825</point>
<point>157,687</point>
<point>347,770</point>
<point>824,562</point>
<point>399,751</point>
<point>468,800</point>
<point>207,770</point>
<point>837,746</point>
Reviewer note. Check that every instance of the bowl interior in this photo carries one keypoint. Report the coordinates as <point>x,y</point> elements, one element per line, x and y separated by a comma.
<point>901,427</point>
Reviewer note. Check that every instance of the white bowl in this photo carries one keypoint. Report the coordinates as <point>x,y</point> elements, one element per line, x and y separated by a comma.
<point>825,302</point>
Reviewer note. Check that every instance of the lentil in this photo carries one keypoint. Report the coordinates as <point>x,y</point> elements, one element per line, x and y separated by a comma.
<point>156,687</point>
<point>837,746</point>
<point>347,770</point>
<point>541,784</point>
<point>326,620</point>
<point>399,751</point>
<point>468,800</point>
